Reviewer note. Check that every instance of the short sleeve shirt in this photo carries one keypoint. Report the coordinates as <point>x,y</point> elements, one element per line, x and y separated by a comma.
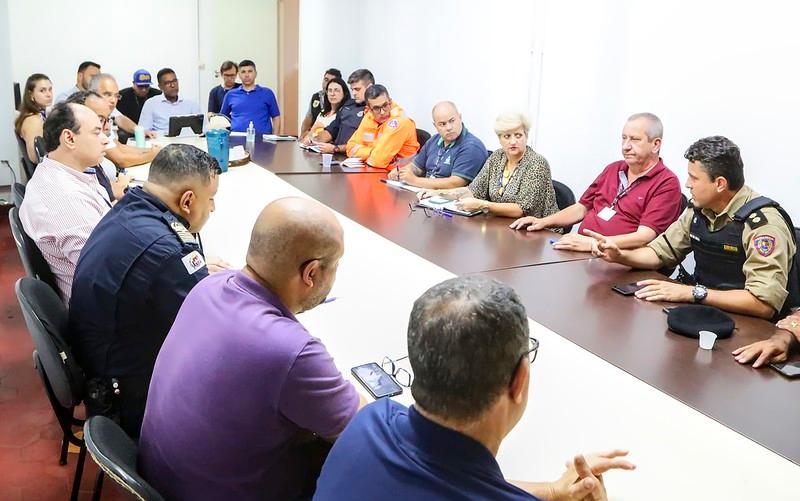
<point>652,200</point>
<point>348,118</point>
<point>237,380</point>
<point>244,106</point>
<point>132,276</point>
<point>217,95</point>
<point>765,276</point>
<point>464,157</point>
<point>530,186</point>
<point>392,452</point>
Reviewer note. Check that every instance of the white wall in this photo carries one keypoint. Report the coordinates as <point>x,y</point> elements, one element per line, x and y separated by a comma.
<point>8,143</point>
<point>705,67</point>
<point>54,37</point>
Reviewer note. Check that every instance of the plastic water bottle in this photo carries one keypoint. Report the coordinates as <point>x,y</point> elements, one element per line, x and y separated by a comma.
<point>251,133</point>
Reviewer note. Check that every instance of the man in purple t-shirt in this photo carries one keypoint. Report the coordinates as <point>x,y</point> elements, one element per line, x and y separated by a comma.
<point>633,200</point>
<point>239,385</point>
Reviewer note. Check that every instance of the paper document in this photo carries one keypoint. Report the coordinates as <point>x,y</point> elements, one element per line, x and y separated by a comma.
<point>278,137</point>
<point>353,163</point>
<point>237,153</point>
<point>447,206</point>
<point>403,186</point>
<point>312,147</point>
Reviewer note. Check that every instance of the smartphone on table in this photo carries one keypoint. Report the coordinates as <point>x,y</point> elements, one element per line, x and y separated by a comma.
<point>626,289</point>
<point>788,369</point>
<point>378,383</point>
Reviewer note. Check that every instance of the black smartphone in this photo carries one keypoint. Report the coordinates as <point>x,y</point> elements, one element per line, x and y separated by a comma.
<point>788,369</point>
<point>626,289</point>
<point>378,383</point>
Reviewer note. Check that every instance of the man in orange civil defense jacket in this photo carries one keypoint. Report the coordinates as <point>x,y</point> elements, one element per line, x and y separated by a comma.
<point>386,137</point>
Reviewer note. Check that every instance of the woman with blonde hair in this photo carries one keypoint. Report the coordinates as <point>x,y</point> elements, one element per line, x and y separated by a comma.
<point>515,180</point>
<point>37,97</point>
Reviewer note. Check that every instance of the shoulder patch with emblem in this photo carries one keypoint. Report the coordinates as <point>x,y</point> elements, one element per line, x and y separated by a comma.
<point>183,234</point>
<point>315,104</point>
<point>764,244</point>
<point>393,123</point>
<point>756,219</point>
<point>360,114</point>
<point>193,261</point>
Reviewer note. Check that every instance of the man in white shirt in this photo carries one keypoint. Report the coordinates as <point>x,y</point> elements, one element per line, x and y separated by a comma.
<point>86,71</point>
<point>62,202</point>
<point>158,109</point>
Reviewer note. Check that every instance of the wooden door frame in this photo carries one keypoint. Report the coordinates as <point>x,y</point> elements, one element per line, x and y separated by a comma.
<point>288,64</point>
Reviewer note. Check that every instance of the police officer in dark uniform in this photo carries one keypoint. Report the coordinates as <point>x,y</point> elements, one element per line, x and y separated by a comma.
<point>744,244</point>
<point>317,99</point>
<point>136,268</point>
<point>348,117</point>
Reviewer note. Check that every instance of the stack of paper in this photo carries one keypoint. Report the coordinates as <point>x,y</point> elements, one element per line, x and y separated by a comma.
<point>353,163</point>
<point>403,186</point>
<point>237,153</point>
<point>312,147</point>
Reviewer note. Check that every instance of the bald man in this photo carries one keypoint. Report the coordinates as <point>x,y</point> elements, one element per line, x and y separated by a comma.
<point>450,159</point>
<point>239,383</point>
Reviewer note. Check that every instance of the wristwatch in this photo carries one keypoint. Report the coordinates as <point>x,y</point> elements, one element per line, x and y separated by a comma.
<point>699,293</point>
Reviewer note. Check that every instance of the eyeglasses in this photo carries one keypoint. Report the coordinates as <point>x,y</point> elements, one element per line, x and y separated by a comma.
<point>104,120</point>
<point>402,376</point>
<point>382,108</point>
<point>533,349</point>
<point>111,94</point>
<point>428,210</point>
<point>170,82</point>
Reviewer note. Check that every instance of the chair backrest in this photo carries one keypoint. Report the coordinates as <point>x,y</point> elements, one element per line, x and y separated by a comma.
<point>684,202</point>
<point>18,191</point>
<point>30,255</point>
<point>422,137</point>
<point>564,198</point>
<point>27,163</point>
<point>114,451</point>
<point>46,318</point>
<point>41,151</point>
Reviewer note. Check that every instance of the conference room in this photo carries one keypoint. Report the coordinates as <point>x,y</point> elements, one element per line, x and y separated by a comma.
<point>608,372</point>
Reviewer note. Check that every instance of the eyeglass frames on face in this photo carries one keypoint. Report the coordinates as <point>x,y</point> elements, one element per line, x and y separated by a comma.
<point>402,376</point>
<point>533,349</point>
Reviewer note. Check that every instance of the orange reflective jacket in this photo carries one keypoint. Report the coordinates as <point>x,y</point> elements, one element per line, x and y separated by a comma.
<point>384,145</point>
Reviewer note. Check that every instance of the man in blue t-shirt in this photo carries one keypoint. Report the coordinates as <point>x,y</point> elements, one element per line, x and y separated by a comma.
<point>450,159</point>
<point>252,103</point>
<point>444,446</point>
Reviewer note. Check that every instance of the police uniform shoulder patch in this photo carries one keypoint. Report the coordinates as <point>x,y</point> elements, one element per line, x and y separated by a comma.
<point>315,104</point>
<point>193,261</point>
<point>393,123</point>
<point>756,219</point>
<point>183,234</point>
<point>764,244</point>
<point>360,114</point>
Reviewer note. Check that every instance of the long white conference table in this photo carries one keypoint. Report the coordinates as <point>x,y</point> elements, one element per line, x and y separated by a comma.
<point>578,401</point>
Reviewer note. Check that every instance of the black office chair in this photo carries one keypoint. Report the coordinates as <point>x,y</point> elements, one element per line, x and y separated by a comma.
<point>18,193</point>
<point>684,203</point>
<point>27,164</point>
<point>115,453</point>
<point>46,318</point>
<point>30,255</point>
<point>41,151</point>
<point>564,198</point>
<point>422,137</point>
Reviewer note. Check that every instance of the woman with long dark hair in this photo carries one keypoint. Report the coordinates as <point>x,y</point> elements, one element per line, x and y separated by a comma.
<point>30,122</point>
<point>336,93</point>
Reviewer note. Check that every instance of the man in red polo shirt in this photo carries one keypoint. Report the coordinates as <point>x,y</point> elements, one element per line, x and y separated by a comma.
<point>632,200</point>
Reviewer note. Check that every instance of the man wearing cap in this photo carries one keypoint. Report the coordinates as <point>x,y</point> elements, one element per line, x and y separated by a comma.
<point>131,99</point>
<point>742,243</point>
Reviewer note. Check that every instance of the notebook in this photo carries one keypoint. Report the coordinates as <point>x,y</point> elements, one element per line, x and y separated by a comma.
<point>448,206</point>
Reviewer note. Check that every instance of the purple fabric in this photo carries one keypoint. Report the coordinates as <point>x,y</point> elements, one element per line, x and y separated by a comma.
<point>237,379</point>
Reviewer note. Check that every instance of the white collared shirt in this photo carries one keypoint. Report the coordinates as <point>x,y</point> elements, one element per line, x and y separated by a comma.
<point>158,109</point>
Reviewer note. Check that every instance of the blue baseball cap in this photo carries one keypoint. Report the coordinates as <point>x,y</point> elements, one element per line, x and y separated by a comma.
<point>142,78</point>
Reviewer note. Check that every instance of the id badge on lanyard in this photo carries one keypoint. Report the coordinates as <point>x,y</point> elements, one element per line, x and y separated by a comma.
<point>606,214</point>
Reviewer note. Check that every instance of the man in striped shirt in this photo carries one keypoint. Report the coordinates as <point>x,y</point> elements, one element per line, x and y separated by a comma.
<point>62,202</point>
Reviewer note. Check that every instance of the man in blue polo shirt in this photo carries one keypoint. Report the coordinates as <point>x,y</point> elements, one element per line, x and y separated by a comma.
<point>252,103</point>
<point>450,159</point>
<point>444,446</point>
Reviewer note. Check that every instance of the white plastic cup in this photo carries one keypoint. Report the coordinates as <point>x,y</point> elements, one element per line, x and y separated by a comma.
<point>707,339</point>
<point>327,158</point>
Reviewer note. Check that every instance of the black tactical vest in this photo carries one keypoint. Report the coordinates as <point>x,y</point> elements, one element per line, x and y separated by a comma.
<point>719,255</point>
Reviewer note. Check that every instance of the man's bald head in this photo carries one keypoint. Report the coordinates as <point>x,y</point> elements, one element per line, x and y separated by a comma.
<point>289,233</point>
<point>447,121</point>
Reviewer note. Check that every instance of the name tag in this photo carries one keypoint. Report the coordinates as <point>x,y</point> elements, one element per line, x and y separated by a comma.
<point>606,214</point>
<point>193,262</point>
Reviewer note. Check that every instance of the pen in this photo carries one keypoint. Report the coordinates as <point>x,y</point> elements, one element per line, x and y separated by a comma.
<point>551,241</point>
<point>329,300</point>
